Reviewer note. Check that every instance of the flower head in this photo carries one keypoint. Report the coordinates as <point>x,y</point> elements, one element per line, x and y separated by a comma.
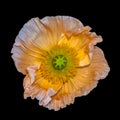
<point>60,60</point>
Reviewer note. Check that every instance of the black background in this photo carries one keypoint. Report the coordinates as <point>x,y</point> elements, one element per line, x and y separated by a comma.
<point>98,15</point>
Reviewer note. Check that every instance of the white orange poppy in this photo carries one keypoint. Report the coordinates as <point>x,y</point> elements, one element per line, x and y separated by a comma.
<point>60,60</point>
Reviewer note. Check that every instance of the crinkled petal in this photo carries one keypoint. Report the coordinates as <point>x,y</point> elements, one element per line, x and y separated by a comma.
<point>62,24</point>
<point>83,42</point>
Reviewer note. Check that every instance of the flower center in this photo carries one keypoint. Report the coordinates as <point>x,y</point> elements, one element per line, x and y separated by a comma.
<point>59,62</point>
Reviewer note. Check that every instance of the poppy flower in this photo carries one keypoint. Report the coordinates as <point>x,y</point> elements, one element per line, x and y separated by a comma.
<point>60,60</point>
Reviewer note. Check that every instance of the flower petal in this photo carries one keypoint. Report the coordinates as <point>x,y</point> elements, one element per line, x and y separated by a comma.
<point>24,52</point>
<point>62,24</point>
<point>83,42</point>
<point>30,77</point>
<point>99,64</point>
<point>87,77</point>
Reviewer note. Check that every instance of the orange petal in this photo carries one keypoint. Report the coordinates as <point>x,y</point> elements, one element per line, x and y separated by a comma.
<point>83,43</point>
<point>87,77</point>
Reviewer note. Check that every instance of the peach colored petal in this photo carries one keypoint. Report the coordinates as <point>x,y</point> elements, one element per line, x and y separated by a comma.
<point>87,77</point>
<point>25,53</point>
<point>30,77</point>
<point>62,24</point>
<point>83,42</point>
